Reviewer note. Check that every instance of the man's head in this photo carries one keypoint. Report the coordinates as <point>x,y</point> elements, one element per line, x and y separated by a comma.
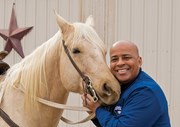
<point>125,61</point>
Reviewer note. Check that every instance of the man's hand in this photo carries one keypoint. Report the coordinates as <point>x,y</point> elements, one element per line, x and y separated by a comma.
<point>89,102</point>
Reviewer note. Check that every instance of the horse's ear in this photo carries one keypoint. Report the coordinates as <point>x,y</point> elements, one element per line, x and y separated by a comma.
<point>64,25</point>
<point>90,21</point>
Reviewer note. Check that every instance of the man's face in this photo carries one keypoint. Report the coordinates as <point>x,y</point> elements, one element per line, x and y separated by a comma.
<point>125,62</point>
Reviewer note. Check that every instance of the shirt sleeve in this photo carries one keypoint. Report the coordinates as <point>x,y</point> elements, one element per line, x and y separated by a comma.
<point>141,109</point>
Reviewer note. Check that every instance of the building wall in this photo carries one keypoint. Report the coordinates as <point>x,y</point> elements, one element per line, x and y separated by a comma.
<point>154,25</point>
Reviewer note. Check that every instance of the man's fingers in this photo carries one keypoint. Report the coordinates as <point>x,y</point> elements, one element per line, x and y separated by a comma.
<point>90,98</point>
<point>88,102</point>
<point>87,99</point>
<point>83,96</point>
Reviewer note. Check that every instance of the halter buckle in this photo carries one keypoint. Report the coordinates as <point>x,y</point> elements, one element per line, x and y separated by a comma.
<point>90,89</point>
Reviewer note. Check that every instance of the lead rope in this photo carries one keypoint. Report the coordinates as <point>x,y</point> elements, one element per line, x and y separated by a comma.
<point>92,115</point>
<point>61,106</point>
<point>65,107</point>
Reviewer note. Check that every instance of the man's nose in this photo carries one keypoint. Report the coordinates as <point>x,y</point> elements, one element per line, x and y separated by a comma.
<point>120,61</point>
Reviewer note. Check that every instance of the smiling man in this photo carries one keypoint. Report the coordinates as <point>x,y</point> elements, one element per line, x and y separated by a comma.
<point>142,102</point>
<point>125,61</point>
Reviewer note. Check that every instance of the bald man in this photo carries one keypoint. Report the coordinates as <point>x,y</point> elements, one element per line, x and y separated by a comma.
<point>142,102</point>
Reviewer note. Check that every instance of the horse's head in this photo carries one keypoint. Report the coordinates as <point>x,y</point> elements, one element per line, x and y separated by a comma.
<point>88,52</point>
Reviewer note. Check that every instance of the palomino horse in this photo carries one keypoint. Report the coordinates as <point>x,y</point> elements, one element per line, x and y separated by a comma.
<point>49,74</point>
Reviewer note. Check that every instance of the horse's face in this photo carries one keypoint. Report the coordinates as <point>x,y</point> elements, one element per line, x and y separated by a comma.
<point>88,52</point>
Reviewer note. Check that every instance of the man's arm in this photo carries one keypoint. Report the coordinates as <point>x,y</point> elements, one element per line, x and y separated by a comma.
<point>141,109</point>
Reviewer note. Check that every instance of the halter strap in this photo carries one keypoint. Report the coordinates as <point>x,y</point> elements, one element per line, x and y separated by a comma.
<point>7,119</point>
<point>88,85</point>
<point>84,77</point>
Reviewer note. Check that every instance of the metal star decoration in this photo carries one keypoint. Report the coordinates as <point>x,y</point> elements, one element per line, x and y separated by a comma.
<point>14,35</point>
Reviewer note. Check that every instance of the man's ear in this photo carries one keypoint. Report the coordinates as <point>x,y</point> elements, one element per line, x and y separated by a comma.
<point>140,61</point>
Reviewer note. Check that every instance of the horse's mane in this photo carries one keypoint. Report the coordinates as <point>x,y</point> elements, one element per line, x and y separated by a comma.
<point>29,74</point>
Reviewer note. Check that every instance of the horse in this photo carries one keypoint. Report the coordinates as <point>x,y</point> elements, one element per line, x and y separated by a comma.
<point>48,73</point>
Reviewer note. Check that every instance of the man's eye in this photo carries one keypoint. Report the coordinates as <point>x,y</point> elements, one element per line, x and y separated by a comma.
<point>114,59</point>
<point>127,57</point>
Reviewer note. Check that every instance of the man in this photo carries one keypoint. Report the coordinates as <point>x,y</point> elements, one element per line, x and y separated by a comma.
<point>142,102</point>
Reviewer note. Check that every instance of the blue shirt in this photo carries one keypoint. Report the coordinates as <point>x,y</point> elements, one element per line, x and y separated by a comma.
<point>142,104</point>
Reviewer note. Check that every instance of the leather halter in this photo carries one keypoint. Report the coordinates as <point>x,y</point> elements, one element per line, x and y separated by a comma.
<point>88,85</point>
<point>7,119</point>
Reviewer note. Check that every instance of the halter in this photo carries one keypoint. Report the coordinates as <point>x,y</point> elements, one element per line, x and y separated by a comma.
<point>87,82</point>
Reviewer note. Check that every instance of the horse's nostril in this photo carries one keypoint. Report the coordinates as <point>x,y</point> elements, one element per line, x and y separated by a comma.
<point>107,90</point>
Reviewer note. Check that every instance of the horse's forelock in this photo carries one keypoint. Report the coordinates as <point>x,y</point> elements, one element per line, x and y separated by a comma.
<point>87,32</point>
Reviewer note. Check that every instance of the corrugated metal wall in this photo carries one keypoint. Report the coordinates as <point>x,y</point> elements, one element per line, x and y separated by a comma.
<point>153,24</point>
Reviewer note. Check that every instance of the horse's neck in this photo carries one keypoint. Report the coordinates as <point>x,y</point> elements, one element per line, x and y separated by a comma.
<point>46,116</point>
<point>56,91</point>
<point>53,79</point>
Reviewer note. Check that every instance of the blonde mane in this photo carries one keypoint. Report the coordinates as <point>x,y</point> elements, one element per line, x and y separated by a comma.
<point>29,74</point>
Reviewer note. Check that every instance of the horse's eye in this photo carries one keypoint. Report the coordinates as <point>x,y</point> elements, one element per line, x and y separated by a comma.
<point>75,51</point>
